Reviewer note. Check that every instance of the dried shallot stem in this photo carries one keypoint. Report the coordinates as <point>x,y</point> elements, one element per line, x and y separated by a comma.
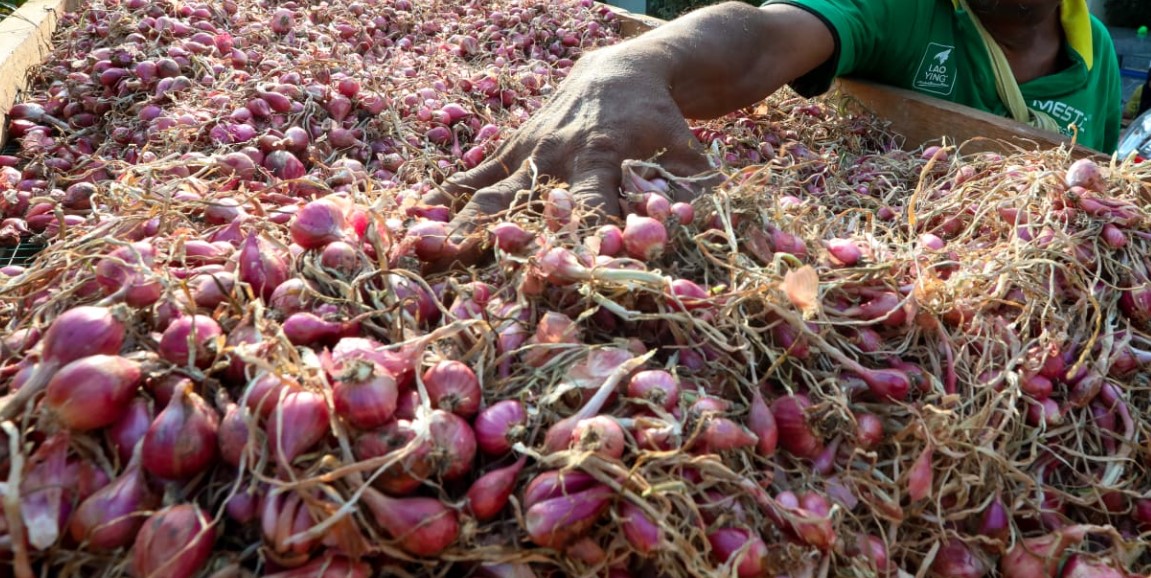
<point>21,564</point>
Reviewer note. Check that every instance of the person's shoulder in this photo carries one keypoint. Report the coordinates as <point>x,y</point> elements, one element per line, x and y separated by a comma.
<point>1101,36</point>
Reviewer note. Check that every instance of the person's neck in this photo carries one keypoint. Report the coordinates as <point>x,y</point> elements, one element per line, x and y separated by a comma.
<point>1032,40</point>
<point>1016,29</point>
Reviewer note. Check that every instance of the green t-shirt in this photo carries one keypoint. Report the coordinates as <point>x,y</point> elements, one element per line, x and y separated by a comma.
<point>933,47</point>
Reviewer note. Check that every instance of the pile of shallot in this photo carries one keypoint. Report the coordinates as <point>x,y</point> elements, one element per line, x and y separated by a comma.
<point>848,360</point>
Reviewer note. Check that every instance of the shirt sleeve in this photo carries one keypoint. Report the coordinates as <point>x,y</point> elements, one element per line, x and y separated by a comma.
<point>858,27</point>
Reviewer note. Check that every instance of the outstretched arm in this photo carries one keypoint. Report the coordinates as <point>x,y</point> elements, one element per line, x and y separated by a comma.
<point>732,55</point>
<point>628,101</point>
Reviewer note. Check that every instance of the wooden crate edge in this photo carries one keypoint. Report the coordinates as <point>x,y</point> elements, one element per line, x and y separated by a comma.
<point>25,41</point>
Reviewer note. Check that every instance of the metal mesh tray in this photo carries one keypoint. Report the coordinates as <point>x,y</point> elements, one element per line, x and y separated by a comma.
<point>26,250</point>
<point>22,254</point>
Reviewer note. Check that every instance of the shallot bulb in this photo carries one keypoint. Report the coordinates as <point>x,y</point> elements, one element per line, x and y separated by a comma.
<point>641,532</point>
<point>181,442</point>
<point>365,395</point>
<point>656,386</point>
<point>454,387</point>
<point>191,340</point>
<point>559,521</point>
<point>318,223</point>
<point>844,252</point>
<point>76,333</point>
<point>610,240</point>
<point>744,549</point>
<point>420,526</point>
<point>761,422</point>
<point>499,426</point>
<point>452,444</point>
<point>511,237</point>
<point>111,517</point>
<point>958,560</point>
<point>1039,557</point>
<point>488,495</point>
<point>795,434</point>
<point>126,273</point>
<point>600,434</point>
<point>93,392</point>
<point>129,430</point>
<point>262,265</point>
<point>298,422</point>
<point>175,542</point>
<point>644,238</point>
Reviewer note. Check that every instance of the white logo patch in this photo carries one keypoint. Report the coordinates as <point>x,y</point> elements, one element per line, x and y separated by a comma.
<point>936,73</point>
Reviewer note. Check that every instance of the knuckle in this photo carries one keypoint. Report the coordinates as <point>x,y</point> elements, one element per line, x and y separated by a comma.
<point>600,142</point>
<point>548,146</point>
<point>600,153</point>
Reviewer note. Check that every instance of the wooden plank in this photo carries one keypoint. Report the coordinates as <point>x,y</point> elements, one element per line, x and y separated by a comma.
<point>919,118</point>
<point>25,41</point>
<point>632,24</point>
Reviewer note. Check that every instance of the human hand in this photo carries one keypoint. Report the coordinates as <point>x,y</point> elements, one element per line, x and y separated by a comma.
<point>609,109</point>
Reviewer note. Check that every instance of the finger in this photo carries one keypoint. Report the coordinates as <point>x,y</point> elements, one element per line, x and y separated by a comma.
<point>494,200</point>
<point>596,189</point>
<point>458,188</point>
<point>486,204</point>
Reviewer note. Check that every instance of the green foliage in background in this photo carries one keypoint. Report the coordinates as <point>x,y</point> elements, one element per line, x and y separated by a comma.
<point>1131,13</point>
<point>668,9</point>
<point>9,6</point>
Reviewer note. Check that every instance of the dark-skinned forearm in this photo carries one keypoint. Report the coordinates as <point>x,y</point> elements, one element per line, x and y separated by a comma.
<point>724,57</point>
